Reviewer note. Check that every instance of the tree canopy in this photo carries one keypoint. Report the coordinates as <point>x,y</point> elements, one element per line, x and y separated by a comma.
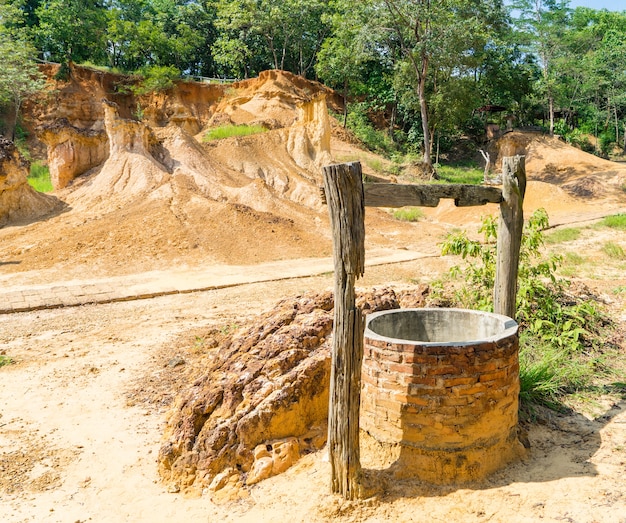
<point>431,68</point>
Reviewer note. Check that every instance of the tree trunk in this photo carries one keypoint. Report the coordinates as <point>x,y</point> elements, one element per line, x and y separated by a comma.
<point>345,103</point>
<point>421,92</point>
<point>344,194</point>
<point>551,115</point>
<point>509,235</point>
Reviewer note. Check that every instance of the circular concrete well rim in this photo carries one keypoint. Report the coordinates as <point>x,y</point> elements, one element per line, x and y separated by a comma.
<point>460,326</point>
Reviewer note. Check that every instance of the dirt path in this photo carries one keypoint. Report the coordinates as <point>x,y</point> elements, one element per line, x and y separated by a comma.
<point>83,408</point>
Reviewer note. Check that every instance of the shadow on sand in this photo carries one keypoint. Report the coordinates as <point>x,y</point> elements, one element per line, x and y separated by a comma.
<point>561,446</point>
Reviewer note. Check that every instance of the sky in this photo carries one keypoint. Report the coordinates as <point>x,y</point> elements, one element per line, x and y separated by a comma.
<point>611,5</point>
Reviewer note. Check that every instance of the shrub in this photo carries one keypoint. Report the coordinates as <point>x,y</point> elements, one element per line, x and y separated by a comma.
<point>558,333</point>
<point>155,78</point>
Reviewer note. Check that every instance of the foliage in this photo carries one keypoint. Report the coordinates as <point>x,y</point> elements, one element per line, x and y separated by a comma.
<point>283,34</point>
<point>155,78</point>
<point>419,70</point>
<point>226,131</point>
<point>374,139</point>
<point>558,331</point>
<point>72,30</point>
<point>5,360</point>
<point>19,76</point>
<point>39,177</point>
<point>408,214</point>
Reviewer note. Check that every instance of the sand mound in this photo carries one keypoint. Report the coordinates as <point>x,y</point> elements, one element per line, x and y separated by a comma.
<point>553,161</point>
<point>273,97</point>
<point>18,201</point>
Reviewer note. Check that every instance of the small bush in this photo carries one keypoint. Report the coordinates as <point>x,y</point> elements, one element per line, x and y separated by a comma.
<point>5,360</point>
<point>375,140</point>
<point>226,131</point>
<point>408,214</point>
<point>558,333</point>
<point>155,78</point>
<point>39,177</point>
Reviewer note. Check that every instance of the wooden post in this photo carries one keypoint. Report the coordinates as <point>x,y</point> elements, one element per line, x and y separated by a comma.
<point>344,194</point>
<point>509,234</point>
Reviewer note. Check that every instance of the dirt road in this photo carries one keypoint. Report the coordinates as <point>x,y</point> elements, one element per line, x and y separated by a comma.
<point>83,407</point>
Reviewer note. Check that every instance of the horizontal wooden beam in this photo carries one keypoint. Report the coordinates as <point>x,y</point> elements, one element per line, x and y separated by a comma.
<point>400,195</point>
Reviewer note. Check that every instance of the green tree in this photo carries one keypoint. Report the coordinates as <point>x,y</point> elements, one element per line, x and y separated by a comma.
<point>279,34</point>
<point>19,76</point>
<point>439,40</point>
<point>72,30</point>
<point>543,25</point>
<point>344,56</point>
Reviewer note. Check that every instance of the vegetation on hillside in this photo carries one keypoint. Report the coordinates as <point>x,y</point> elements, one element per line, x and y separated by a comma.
<point>428,71</point>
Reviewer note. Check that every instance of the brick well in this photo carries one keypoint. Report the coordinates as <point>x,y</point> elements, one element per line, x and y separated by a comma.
<point>442,386</point>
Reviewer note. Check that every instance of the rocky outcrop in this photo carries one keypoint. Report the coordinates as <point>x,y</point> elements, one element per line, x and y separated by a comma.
<point>263,400</point>
<point>72,151</point>
<point>18,200</point>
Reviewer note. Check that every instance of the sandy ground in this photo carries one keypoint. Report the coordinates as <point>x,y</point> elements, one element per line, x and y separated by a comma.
<point>83,408</point>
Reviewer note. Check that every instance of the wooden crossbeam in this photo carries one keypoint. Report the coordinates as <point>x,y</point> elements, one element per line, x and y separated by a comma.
<point>399,195</point>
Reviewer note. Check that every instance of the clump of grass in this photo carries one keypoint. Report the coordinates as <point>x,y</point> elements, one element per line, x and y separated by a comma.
<point>563,235</point>
<point>469,174</point>
<point>573,258</point>
<point>375,164</point>
<point>617,221</point>
<point>613,250</point>
<point>408,214</point>
<point>546,374</point>
<point>39,177</point>
<point>226,131</point>
<point>5,360</point>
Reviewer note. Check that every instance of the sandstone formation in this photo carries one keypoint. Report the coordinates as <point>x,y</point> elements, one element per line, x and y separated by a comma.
<point>72,151</point>
<point>18,200</point>
<point>308,142</point>
<point>78,97</point>
<point>263,400</point>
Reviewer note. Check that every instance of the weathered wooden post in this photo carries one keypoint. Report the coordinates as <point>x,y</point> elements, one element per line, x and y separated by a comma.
<point>509,234</point>
<point>344,194</point>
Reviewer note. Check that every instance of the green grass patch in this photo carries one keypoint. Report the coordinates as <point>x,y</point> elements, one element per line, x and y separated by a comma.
<point>375,164</point>
<point>408,214</point>
<point>573,258</point>
<point>617,221</point>
<point>613,250</point>
<point>226,131</point>
<point>39,177</point>
<point>5,360</point>
<point>460,173</point>
<point>563,235</point>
